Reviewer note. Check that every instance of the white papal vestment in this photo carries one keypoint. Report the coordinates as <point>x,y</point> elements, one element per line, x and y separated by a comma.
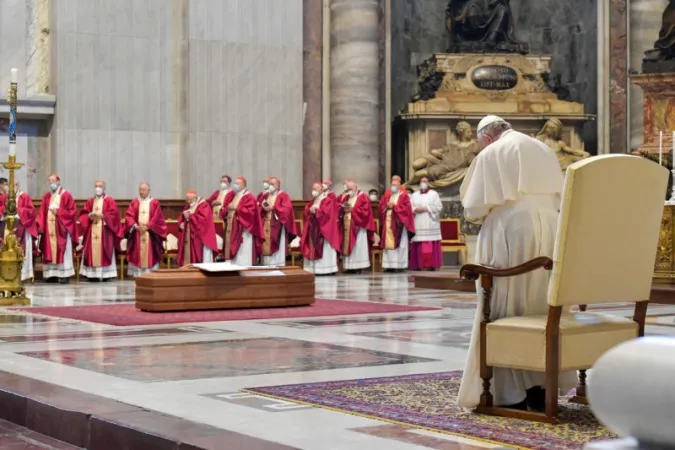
<point>513,187</point>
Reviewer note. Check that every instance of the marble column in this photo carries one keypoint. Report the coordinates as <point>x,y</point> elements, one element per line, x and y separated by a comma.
<point>312,92</point>
<point>180,51</point>
<point>355,151</point>
<point>618,63</point>
<point>38,47</point>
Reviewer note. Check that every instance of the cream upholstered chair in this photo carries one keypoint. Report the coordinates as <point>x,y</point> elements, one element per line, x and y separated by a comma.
<point>605,199</point>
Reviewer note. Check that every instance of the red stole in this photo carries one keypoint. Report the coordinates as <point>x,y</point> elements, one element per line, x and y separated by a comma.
<point>101,237</point>
<point>145,251</point>
<point>55,228</point>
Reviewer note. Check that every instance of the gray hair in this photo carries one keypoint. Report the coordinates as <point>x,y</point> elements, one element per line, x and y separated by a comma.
<point>495,129</point>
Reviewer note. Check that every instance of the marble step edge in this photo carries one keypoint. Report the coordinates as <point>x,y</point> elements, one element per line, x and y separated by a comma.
<point>93,422</point>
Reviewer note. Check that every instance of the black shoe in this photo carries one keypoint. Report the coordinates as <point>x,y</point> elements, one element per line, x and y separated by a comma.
<point>52,280</point>
<point>536,399</point>
<point>64,280</point>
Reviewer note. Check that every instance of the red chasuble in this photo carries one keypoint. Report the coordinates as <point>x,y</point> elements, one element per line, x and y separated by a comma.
<point>101,236</point>
<point>280,219</point>
<point>260,198</point>
<point>55,228</point>
<point>3,205</point>
<point>244,216</point>
<point>394,220</point>
<point>360,216</point>
<point>320,226</point>
<point>198,232</point>
<point>27,218</point>
<point>144,250</point>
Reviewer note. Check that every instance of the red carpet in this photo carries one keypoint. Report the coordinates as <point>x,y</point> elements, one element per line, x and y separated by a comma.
<point>127,314</point>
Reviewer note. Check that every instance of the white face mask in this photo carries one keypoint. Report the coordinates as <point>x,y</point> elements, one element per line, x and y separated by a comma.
<point>6,189</point>
<point>53,186</point>
<point>373,197</point>
<point>394,189</point>
<point>223,186</point>
<point>99,191</point>
<point>352,193</point>
<point>266,186</point>
<point>424,186</point>
<point>236,188</point>
<point>344,187</point>
<point>272,190</point>
<point>315,194</point>
<point>325,187</point>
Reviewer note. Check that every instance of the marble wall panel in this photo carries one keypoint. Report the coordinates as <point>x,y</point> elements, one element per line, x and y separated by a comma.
<point>566,30</point>
<point>645,23</point>
<point>177,92</point>
<point>618,78</point>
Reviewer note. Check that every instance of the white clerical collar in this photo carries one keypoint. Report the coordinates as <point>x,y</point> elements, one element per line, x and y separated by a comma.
<point>146,199</point>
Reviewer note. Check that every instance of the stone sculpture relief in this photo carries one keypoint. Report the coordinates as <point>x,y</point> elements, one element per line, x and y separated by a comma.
<point>447,166</point>
<point>482,26</point>
<point>551,135</point>
<point>662,57</point>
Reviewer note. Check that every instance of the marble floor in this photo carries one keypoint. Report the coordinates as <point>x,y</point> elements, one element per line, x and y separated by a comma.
<point>197,371</point>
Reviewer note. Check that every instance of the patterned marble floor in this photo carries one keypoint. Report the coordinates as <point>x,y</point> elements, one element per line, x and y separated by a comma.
<point>197,371</point>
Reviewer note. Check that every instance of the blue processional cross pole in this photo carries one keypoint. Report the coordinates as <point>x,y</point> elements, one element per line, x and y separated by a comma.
<point>12,290</point>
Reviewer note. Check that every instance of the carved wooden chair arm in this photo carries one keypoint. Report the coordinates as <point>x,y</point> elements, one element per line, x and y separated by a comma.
<point>472,272</point>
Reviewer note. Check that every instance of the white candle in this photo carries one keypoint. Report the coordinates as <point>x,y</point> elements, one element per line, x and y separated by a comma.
<point>660,148</point>
<point>15,75</point>
<point>12,149</point>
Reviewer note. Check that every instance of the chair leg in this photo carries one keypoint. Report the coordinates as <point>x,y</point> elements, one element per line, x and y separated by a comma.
<point>486,399</point>
<point>292,260</point>
<point>552,394</point>
<point>122,268</point>
<point>580,396</point>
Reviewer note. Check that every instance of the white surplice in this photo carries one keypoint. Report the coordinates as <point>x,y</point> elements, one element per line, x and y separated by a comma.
<point>27,268</point>
<point>328,262</point>
<point>278,258</point>
<point>359,257</point>
<point>427,224</point>
<point>513,187</point>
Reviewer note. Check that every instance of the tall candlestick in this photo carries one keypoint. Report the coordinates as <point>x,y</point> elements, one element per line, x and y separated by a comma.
<point>672,154</point>
<point>660,148</point>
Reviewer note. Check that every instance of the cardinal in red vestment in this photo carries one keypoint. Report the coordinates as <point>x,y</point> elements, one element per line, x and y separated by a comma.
<point>278,221</point>
<point>320,242</point>
<point>397,226</point>
<point>262,196</point>
<point>243,238</point>
<point>26,230</point>
<point>197,243</point>
<point>221,197</point>
<point>145,229</point>
<point>57,225</point>
<point>357,229</point>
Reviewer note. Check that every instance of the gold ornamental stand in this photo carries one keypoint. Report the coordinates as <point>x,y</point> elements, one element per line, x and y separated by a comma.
<point>12,290</point>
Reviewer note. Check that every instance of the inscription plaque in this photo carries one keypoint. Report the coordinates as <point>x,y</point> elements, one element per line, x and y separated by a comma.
<point>495,78</point>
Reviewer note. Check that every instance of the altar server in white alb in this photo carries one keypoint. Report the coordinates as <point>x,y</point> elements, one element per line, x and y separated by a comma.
<point>425,248</point>
<point>358,229</point>
<point>513,189</point>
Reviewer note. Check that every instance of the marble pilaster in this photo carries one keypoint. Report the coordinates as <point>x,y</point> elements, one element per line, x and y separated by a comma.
<point>38,47</point>
<point>312,87</point>
<point>355,96</point>
<point>618,63</point>
<point>645,22</point>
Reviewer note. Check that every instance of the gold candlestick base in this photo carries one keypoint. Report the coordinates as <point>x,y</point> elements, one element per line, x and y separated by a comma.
<point>12,290</point>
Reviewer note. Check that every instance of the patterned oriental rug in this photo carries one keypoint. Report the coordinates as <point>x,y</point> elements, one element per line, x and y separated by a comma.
<point>126,314</point>
<point>427,401</point>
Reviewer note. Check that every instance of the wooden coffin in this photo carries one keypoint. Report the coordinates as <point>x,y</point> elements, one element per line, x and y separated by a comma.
<point>192,289</point>
<point>449,281</point>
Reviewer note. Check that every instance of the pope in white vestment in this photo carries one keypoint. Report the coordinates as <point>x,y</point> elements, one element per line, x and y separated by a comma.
<point>513,188</point>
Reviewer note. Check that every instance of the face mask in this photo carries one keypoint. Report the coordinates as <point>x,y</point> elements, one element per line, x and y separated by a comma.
<point>266,186</point>
<point>236,188</point>
<point>325,187</point>
<point>223,186</point>
<point>315,194</point>
<point>6,189</point>
<point>272,190</point>
<point>344,187</point>
<point>352,193</point>
<point>53,186</point>
<point>373,197</point>
<point>424,186</point>
<point>99,191</point>
<point>394,189</point>
<point>192,204</point>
